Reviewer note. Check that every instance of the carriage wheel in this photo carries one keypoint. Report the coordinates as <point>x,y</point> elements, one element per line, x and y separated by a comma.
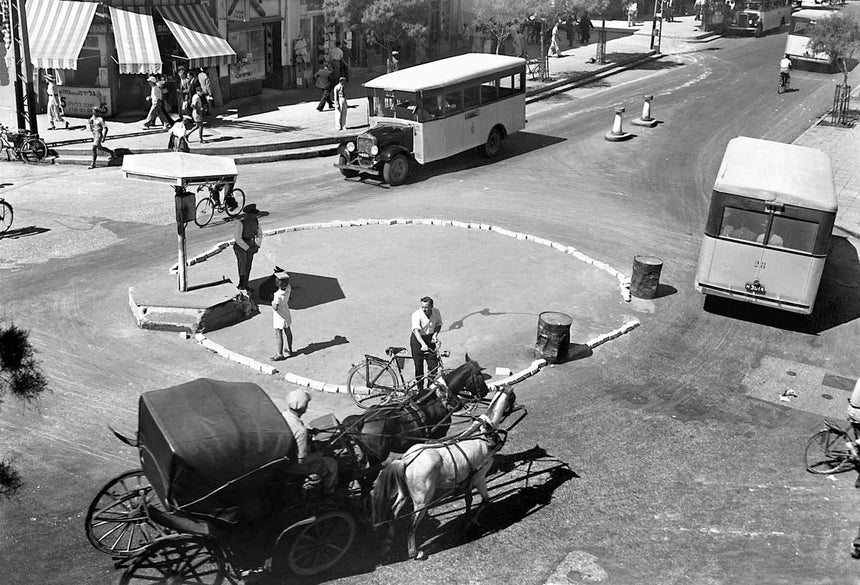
<point>116,521</point>
<point>176,561</point>
<point>317,546</point>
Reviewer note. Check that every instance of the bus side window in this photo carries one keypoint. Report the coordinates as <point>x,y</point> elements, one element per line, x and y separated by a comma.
<point>471,97</point>
<point>431,108</point>
<point>489,91</point>
<point>453,102</point>
<point>506,87</point>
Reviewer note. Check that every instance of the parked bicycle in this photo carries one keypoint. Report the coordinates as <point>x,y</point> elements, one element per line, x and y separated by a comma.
<point>827,451</point>
<point>378,382</point>
<point>6,215</point>
<point>23,144</point>
<point>231,203</point>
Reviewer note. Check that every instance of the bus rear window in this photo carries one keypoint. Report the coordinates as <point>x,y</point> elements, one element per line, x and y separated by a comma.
<point>793,234</point>
<point>743,224</point>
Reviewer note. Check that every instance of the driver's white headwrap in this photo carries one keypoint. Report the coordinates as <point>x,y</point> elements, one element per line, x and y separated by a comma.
<point>298,400</point>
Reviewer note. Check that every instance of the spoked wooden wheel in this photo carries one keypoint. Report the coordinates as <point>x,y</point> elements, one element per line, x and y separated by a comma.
<point>318,546</point>
<point>826,452</point>
<point>116,521</point>
<point>177,561</point>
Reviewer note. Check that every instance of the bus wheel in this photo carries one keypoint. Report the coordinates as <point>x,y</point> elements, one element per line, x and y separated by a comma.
<point>395,171</point>
<point>494,144</point>
<point>348,173</point>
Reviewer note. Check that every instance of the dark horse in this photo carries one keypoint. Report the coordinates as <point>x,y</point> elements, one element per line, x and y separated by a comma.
<point>382,430</point>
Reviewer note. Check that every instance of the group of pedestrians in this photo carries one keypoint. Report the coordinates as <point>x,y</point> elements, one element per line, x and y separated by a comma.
<point>570,24</point>
<point>333,95</point>
<point>194,96</point>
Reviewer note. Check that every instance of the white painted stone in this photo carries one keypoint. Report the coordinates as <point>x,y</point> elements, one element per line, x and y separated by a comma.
<point>447,222</point>
<point>330,388</point>
<point>559,246</point>
<point>315,384</point>
<point>503,371</point>
<point>460,224</point>
<point>290,377</point>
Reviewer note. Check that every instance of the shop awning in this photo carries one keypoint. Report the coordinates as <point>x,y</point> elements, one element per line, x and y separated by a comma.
<point>57,30</point>
<point>136,46</point>
<point>197,35</point>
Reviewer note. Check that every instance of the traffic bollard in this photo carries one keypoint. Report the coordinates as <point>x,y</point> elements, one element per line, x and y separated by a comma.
<point>617,134</point>
<point>646,119</point>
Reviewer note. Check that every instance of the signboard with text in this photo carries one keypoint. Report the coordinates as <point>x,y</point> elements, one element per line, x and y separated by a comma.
<point>79,101</point>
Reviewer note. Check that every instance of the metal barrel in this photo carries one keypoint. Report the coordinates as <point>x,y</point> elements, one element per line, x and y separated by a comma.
<point>553,336</point>
<point>646,276</point>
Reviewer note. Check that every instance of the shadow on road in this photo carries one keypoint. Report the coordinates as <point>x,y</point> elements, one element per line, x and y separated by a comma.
<point>23,232</point>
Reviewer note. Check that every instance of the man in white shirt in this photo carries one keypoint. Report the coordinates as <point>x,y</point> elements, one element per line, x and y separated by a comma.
<point>785,68</point>
<point>424,341</point>
<point>155,97</point>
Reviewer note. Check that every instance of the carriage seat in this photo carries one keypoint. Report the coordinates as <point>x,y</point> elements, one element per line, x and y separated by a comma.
<point>180,524</point>
<point>394,350</point>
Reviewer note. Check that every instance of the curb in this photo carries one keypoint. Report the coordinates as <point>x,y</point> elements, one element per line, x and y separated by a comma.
<point>560,86</point>
<point>535,367</point>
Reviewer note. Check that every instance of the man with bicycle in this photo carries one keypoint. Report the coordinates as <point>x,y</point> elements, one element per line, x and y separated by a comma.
<point>785,71</point>
<point>424,342</point>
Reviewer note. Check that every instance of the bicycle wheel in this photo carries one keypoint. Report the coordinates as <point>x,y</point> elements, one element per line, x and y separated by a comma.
<point>204,212</point>
<point>826,452</point>
<point>6,216</point>
<point>234,202</point>
<point>34,150</point>
<point>371,383</point>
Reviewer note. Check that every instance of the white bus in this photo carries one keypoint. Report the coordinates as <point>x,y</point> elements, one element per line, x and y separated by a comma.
<point>797,43</point>
<point>758,16</point>
<point>432,111</point>
<point>768,230</point>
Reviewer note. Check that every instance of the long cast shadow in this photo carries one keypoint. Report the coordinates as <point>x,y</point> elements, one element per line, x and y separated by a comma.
<point>23,232</point>
<point>308,290</point>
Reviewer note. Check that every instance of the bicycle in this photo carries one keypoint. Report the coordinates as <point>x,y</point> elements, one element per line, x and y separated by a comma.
<point>379,382</point>
<point>827,453</point>
<point>784,83</point>
<point>231,204</point>
<point>23,144</point>
<point>6,216</point>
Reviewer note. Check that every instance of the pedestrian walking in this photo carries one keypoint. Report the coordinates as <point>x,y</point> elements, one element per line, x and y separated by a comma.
<point>340,104</point>
<point>99,130</point>
<point>155,97</point>
<point>55,110</point>
<point>518,43</point>
<point>585,27</point>
<point>206,86</point>
<point>392,63</point>
<point>336,54</point>
<point>248,238</point>
<point>570,29</point>
<point>282,320</point>
<point>554,49</point>
<point>183,86</point>
<point>632,13</point>
<point>197,111</point>
<point>424,341</point>
<point>322,79</point>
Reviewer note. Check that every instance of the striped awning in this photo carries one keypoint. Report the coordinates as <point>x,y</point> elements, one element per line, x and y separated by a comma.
<point>57,30</point>
<point>136,46</point>
<point>197,35</point>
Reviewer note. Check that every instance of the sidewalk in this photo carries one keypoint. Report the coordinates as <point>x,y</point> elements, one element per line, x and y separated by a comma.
<point>279,125</point>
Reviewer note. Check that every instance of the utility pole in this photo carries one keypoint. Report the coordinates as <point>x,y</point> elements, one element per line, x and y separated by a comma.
<point>25,103</point>
<point>656,27</point>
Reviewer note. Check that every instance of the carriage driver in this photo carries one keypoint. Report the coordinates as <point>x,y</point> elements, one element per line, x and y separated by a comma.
<point>307,463</point>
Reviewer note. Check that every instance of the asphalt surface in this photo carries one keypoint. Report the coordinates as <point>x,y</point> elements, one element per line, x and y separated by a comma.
<point>682,473</point>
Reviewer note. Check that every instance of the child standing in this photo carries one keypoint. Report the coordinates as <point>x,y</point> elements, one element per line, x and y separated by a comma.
<point>281,318</point>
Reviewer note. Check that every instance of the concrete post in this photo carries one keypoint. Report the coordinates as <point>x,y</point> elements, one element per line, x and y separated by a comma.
<point>646,119</point>
<point>617,134</point>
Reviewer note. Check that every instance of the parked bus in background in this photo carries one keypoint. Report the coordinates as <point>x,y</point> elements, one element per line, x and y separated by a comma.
<point>757,16</point>
<point>768,229</point>
<point>797,43</point>
<point>432,111</point>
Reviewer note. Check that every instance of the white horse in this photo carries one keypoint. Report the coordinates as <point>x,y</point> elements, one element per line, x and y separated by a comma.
<point>456,463</point>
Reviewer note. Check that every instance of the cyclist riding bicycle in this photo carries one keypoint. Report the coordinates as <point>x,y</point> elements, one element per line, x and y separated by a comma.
<point>785,70</point>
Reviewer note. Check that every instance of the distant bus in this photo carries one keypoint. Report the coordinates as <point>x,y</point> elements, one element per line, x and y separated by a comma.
<point>769,225</point>
<point>758,16</point>
<point>797,43</point>
<point>432,111</point>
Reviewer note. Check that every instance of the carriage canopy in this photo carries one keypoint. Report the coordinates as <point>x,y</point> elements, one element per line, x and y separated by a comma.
<point>211,448</point>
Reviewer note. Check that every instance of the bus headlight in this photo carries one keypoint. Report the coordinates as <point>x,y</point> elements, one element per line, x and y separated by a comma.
<point>350,146</point>
<point>374,150</point>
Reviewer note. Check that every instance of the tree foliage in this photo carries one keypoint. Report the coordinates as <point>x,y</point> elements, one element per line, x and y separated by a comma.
<point>394,23</point>
<point>20,376</point>
<point>499,17</point>
<point>837,35</point>
<point>348,11</point>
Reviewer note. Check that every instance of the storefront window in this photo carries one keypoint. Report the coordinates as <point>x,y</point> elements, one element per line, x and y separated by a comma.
<point>247,10</point>
<point>250,47</point>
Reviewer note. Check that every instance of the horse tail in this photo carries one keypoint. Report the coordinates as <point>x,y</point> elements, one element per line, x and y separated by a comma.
<point>391,480</point>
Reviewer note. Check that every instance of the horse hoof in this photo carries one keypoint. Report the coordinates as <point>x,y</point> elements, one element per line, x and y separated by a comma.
<point>421,556</point>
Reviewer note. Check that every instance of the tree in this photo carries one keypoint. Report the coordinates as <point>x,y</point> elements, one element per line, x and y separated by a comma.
<point>499,17</point>
<point>394,23</point>
<point>837,35</point>
<point>20,376</point>
<point>348,11</point>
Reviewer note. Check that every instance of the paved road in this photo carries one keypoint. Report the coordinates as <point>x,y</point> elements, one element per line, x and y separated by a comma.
<point>683,473</point>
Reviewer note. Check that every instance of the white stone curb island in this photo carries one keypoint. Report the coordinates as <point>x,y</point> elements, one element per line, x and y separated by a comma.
<point>534,368</point>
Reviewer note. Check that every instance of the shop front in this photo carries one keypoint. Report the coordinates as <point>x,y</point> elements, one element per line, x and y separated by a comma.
<point>255,31</point>
<point>102,53</point>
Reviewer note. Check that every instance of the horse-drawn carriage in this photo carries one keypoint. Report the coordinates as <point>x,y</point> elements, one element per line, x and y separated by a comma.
<point>213,498</point>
